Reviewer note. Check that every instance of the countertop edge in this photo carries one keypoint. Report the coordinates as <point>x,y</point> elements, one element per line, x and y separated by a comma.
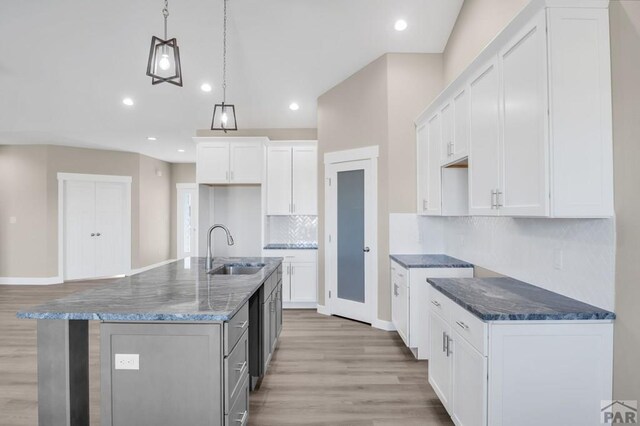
<point>454,265</point>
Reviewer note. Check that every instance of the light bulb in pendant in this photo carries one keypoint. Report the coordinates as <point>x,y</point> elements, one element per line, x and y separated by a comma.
<point>164,62</point>
<point>224,118</point>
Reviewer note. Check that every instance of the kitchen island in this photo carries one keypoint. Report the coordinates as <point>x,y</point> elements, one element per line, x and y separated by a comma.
<point>179,345</point>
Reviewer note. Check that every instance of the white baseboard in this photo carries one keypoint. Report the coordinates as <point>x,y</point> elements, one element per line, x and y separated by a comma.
<point>322,309</point>
<point>30,281</point>
<point>383,325</point>
<point>299,305</point>
<point>148,267</point>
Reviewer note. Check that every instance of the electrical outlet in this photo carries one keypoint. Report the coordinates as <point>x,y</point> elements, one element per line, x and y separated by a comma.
<point>557,259</point>
<point>127,362</point>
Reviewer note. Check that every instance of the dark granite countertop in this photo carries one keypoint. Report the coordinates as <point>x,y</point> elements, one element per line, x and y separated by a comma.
<point>507,299</point>
<point>291,246</point>
<point>178,291</point>
<point>429,261</point>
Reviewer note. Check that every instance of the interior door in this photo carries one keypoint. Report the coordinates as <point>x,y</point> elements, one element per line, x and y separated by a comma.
<point>279,176</point>
<point>484,149</point>
<point>525,144</point>
<point>305,181</point>
<point>79,230</point>
<point>110,228</point>
<point>246,162</point>
<point>212,163</point>
<point>351,209</point>
<point>186,224</point>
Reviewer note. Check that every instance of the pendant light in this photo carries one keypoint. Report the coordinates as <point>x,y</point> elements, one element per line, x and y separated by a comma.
<point>164,57</point>
<point>224,114</point>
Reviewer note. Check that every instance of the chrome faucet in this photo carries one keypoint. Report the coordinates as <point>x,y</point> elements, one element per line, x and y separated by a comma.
<point>209,255</point>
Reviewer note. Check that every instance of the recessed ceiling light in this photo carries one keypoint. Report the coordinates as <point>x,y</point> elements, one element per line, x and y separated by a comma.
<point>152,138</point>
<point>294,106</point>
<point>127,101</point>
<point>206,87</point>
<point>181,150</point>
<point>400,25</point>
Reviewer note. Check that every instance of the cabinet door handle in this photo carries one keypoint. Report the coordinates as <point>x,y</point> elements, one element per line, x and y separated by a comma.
<point>498,195</point>
<point>241,366</point>
<point>93,234</point>
<point>98,234</point>
<point>462,325</point>
<point>424,205</point>
<point>444,341</point>
<point>243,325</point>
<point>435,303</point>
<point>494,196</point>
<point>449,351</point>
<point>243,419</point>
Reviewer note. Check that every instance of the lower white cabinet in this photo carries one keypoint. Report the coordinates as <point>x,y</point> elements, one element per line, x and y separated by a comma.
<point>299,277</point>
<point>524,373</point>
<point>409,299</point>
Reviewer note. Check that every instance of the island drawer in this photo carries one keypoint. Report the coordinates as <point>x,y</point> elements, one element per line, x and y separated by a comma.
<point>234,328</point>
<point>239,413</point>
<point>236,368</point>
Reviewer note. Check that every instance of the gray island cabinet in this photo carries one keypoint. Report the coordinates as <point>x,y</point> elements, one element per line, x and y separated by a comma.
<point>178,345</point>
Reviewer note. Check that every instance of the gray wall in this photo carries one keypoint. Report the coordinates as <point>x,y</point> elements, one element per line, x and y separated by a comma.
<point>625,56</point>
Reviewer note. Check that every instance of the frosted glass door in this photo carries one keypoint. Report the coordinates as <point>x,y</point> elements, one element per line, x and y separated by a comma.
<point>351,235</point>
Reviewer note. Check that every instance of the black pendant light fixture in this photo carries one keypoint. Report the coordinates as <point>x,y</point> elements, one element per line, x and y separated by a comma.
<point>164,57</point>
<point>224,114</point>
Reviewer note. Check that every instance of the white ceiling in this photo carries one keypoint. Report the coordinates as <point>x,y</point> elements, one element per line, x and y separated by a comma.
<point>66,65</point>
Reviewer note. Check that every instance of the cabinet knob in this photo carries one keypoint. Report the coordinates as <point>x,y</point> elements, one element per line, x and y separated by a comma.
<point>366,249</point>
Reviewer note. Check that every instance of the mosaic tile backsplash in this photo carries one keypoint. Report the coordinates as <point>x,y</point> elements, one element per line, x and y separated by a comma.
<point>291,230</point>
<point>573,257</point>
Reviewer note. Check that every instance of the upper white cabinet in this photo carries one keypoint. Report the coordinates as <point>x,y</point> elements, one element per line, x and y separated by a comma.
<point>430,184</point>
<point>292,179</point>
<point>533,115</point>
<point>221,161</point>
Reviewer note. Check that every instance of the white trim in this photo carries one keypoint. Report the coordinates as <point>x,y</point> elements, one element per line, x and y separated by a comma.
<point>94,178</point>
<point>299,305</point>
<point>62,178</point>
<point>323,310</point>
<point>149,267</point>
<point>383,325</point>
<point>186,186</point>
<point>199,139</point>
<point>366,153</point>
<point>30,281</point>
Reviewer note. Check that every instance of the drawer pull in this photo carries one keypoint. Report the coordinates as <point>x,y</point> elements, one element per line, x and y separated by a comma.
<point>436,303</point>
<point>449,351</point>
<point>243,325</point>
<point>400,275</point>
<point>462,325</point>
<point>241,366</point>
<point>243,419</point>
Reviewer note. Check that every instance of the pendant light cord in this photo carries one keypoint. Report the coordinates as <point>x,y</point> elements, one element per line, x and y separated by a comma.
<point>165,13</point>
<point>224,54</point>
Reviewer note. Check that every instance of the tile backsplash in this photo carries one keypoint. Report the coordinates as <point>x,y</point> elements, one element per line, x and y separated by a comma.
<point>574,257</point>
<point>291,229</point>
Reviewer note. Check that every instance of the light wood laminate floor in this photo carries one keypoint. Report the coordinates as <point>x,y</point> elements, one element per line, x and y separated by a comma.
<point>326,371</point>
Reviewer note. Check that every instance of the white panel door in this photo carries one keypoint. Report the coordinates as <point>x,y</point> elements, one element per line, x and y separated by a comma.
<point>460,147</point>
<point>279,176</point>
<point>439,361</point>
<point>446,117</point>
<point>305,181</point>
<point>212,162</point>
<point>246,162</point>
<point>484,149</point>
<point>303,282</point>
<point>524,187</point>
<point>110,229</point>
<point>469,386</point>
<point>422,166</point>
<point>434,177</point>
<point>79,230</point>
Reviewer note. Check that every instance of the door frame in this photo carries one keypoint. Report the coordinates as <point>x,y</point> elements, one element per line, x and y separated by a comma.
<point>195,206</point>
<point>65,177</point>
<point>332,159</point>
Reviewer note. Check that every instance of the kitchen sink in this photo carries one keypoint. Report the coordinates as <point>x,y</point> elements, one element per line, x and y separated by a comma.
<point>238,269</point>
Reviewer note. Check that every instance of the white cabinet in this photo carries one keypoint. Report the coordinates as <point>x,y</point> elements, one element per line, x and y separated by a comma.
<point>502,373</point>
<point>229,162</point>
<point>409,297</point>
<point>429,167</point>
<point>299,277</point>
<point>292,179</point>
<point>533,115</point>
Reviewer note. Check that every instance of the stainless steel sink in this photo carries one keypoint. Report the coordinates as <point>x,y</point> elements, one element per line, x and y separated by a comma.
<point>238,269</point>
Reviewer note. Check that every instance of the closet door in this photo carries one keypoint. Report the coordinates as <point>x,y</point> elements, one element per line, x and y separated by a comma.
<point>109,229</point>
<point>79,230</point>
